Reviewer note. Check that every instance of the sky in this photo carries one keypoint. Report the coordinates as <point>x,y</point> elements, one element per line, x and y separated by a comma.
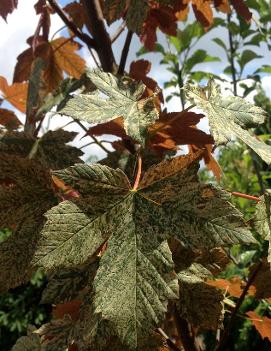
<point>22,23</point>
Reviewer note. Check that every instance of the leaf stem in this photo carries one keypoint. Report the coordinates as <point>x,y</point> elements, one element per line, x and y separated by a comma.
<point>96,141</point>
<point>138,173</point>
<point>245,196</point>
<point>118,32</point>
<point>225,338</point>
<point>169,342</point>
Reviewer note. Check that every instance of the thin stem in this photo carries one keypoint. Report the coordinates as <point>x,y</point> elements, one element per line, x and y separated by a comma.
<point>231,58</point>
<point>225,338</point>
<point>125,52</point>
<point>118,32</point>
<point>93,137</point>
<point>59,30</point>
<point>245,196</point>
<point>138,173</point>
<point>184,332</point>
<point>169,342</point>
<point>70,24</point>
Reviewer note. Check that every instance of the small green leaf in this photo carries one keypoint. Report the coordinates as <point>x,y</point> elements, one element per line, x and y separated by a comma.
<point>246,57</point>
<point>123,99</point>
<point>221,43</point>
<point>199,56</point>
<point>229,117</point>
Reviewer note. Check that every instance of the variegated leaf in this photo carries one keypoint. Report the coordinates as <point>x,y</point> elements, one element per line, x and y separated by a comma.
<point>123,99</point>
<point>229,117</point>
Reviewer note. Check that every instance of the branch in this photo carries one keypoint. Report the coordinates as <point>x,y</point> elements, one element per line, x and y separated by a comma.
<point>70,24</point>
<point>225,338</point>
<point>184,333</point>
<point>125,51</point>
<point>118,32</point>
<point>100,35</point>
<point>96,141</point>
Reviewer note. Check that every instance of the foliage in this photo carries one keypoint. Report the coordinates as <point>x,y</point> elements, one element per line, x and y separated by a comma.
<point>136,250</point>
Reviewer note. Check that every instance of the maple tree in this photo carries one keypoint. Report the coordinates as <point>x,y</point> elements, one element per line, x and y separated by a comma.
<point>131,245</point>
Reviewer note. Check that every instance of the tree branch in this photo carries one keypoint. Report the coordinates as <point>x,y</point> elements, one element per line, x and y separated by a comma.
<point>124,53</point>
<point>70,24</point>
<point>225,338</point>
<point>100,35</point>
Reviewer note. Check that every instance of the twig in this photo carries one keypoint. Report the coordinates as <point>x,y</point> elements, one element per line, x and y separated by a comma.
<point>184,333</point>
<point>100,35</point>
<point>70,24</point>
<point>231,58</point>
<point>169,342</point>
<point>245,196</point>
<point>93,137</point>
<point>124,53</point>
<point>225,338</point>
<point>138,173</point>
<point>118,32</point>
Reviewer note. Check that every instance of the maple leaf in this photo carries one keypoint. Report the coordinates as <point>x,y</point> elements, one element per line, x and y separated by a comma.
<point>229,117</point>
<point>137,261</point>
<point>7,7</point>
<point>51,149</point>
<point>162,17</point>
<point>8,119</point>
<point>59,55</point>
<point>123,100</point>
<point>261,323</point>
<point>199,303</point>
<point>15,94</point>
<point>22,204</point>
<point>262,219</point>
<point>76,12</point>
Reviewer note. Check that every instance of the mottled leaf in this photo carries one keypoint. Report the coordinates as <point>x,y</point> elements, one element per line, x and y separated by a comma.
<point>262,219</point>
<point>51,149</point>
<point>229,117</point>
<point>25,195</point>
<point>124,99</point>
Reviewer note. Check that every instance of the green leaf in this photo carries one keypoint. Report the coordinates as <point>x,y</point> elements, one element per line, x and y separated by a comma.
<point>136,269</point>
<point>23,202</point>
<point>246,57</point>
<point>124,99</point>
<point>221,43</point>
<point>262,219</point>
<point>199,56</point>
<point>263,69</point>
<point>229,117</point>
